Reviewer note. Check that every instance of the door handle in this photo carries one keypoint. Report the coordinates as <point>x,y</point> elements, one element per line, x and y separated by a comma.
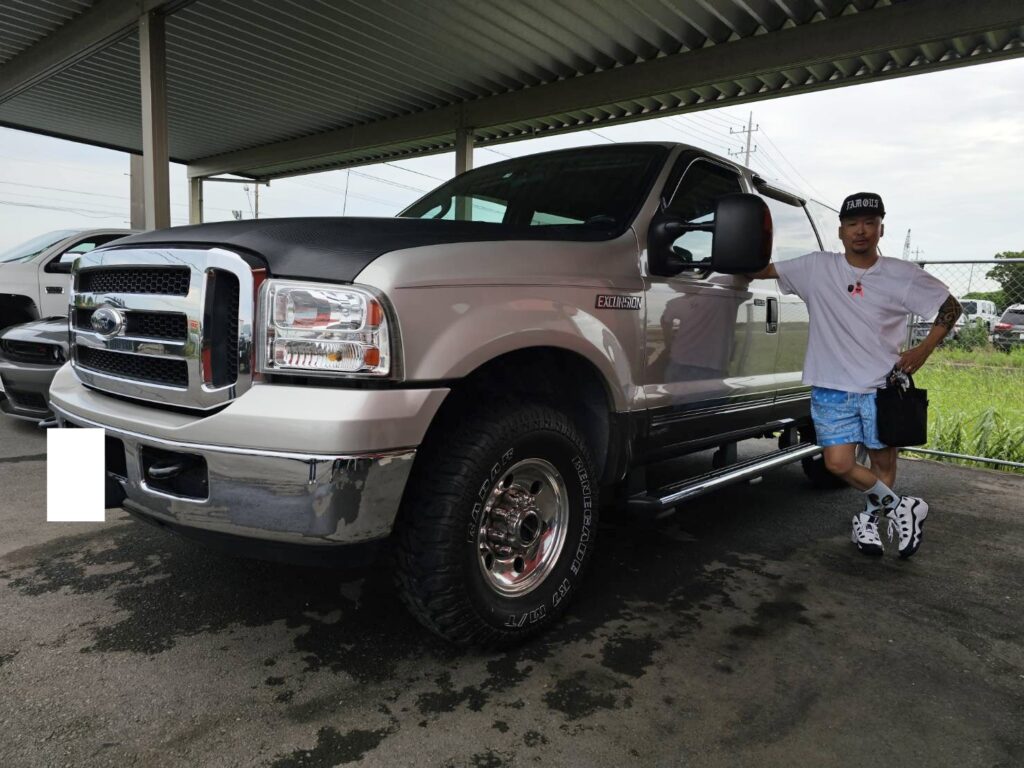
<point>54,289</point>
<point>771,324</point>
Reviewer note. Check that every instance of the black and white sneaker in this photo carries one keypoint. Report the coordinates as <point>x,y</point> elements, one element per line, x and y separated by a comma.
<point>907,518</point>
<point>865,534</point>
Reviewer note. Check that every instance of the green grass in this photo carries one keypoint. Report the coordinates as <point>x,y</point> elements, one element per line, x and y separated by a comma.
<point>976,403</point>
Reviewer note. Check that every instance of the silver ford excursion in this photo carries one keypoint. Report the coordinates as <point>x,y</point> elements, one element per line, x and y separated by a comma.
<point>465,381</point>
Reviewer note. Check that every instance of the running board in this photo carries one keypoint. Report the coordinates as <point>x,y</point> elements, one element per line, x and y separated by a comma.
<point>671,495</point>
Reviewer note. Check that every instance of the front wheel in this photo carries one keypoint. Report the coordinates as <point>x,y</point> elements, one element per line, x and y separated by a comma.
<point>497,526</point>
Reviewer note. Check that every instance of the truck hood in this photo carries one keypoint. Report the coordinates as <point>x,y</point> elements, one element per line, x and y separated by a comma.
<point>338,249</point>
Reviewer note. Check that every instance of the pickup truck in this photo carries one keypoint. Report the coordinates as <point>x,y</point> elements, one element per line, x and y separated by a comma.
<point>35,275</point>
<point>465,381</point>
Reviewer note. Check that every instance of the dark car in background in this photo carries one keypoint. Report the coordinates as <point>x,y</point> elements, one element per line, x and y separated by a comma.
<point>1009,331</point>
<point>30,355</point>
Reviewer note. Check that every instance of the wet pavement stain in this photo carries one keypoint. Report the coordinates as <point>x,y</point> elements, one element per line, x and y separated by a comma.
<point>534,739</point>
<point>773,617</point>
<point>629,655</point>
<point>446,699</point>
<point>582,695</point>
<point>333,748</point>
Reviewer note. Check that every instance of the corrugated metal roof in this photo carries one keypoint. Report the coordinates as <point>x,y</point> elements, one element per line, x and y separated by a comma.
<point>25,22</point>
<point>248,74</point>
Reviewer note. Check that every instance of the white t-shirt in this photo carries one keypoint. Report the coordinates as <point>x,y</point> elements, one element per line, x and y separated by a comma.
<point>855,339</point>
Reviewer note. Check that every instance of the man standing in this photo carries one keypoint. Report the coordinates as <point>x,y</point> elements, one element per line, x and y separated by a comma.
<point>858,304</point>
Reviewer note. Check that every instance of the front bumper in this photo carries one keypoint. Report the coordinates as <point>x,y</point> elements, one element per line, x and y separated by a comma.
<point>26,387</point>
<point>300,465</point>
<point>279,497</point>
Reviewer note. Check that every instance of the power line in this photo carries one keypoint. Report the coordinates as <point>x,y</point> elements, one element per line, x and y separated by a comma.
<point>418,173</point>
<point>795,169</point>
<point>88,213</point>
<point>601,135</point>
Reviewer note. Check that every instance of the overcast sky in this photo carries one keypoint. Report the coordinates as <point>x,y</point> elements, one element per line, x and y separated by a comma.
<point>945,151</point>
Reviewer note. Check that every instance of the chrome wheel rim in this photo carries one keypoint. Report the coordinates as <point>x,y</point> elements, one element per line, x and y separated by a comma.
<point>523,527</point>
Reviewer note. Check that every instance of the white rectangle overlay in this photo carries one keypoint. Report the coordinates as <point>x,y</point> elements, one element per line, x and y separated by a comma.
<point>75,473</point>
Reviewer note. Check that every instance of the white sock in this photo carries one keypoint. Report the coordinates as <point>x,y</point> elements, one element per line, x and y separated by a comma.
<point>879,497</point>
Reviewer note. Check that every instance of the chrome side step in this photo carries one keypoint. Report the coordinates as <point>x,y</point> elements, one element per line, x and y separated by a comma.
<point>671,495</point>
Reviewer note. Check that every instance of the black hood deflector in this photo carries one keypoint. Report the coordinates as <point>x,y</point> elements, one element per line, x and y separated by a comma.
<point>338,249</point>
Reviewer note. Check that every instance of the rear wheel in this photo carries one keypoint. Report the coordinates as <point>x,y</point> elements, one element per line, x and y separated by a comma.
<point>497,526</point>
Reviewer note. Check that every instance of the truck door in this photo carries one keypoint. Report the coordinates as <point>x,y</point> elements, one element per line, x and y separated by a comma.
<point>710,346</point>
<point>55,274</point>
<point>792,236</point>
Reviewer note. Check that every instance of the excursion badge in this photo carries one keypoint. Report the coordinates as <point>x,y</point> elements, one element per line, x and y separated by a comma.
<point>616,301</point>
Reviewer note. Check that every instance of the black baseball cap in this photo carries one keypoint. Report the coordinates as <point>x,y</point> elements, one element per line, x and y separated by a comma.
<point>862,204</point>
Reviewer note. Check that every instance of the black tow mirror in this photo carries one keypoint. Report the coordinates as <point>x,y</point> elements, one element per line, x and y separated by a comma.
<point>665,229</point>
<point>741,238</point>
<point>743,235</point>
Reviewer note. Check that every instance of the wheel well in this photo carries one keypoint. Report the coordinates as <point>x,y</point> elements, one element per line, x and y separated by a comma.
<point>15,309</point>
<point>548,375</point>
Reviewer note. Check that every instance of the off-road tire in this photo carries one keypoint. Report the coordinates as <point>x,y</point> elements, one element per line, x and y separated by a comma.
<point>438,568</point>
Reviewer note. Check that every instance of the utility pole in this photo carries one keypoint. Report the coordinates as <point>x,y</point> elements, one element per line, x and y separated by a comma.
<point>751,128</point>
<point>917,254</point>
<point>344,203</point>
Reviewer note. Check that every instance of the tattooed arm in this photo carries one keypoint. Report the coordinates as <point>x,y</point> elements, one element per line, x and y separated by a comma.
<point>912,360</point>
<point>948,313</point>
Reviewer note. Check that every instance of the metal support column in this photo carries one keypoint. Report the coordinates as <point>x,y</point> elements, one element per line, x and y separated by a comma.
<point>195,200</point>
<point>463,163</point>
<point>138,198</point>
<point>153,74</point>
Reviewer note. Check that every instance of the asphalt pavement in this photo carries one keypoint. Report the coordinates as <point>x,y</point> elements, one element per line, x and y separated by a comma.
<point>747,630</point>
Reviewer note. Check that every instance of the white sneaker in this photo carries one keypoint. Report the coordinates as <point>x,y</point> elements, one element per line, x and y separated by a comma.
<point>865,534</point>
<point>907,518</point>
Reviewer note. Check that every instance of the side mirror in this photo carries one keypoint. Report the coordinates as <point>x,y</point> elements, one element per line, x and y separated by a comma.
<point>665,229</point>
<point>61,267</point>
<point>743,235</point>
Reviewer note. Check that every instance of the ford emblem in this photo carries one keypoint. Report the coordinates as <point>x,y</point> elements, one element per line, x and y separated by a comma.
<point>107,321</point>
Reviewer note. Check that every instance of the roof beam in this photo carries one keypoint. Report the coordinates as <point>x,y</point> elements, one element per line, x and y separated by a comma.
<point>909,23</point>
<point>106,22</point>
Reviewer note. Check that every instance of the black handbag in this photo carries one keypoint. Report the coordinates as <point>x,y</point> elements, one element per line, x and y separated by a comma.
<point>902,411</point>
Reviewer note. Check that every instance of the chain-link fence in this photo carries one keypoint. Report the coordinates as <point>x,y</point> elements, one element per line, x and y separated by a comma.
<point>975,379</point>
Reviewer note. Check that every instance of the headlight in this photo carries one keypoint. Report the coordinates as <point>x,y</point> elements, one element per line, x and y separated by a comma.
<point>325,329</point>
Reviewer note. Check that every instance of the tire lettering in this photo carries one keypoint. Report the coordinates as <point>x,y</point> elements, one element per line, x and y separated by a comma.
<point>515,621</point>
<point>581,550</point>
<point>474,523</point>
<point>561,592</point>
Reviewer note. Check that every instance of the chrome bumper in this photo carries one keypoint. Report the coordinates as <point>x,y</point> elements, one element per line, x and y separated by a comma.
<point>312,499</point>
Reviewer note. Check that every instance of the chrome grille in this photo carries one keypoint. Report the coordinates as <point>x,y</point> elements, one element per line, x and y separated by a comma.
<point>160,370</point>
<point>154,325</point>
<point>165,340</point>
<point>170,281</point>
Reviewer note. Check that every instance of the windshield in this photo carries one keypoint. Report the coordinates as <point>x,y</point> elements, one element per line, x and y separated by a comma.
<point>597,188</point>
<point>970,307</point>
<point>32,248</point>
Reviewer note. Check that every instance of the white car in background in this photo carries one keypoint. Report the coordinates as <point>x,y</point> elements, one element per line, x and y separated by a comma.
<point>35,276</point>
<point>980,311</point>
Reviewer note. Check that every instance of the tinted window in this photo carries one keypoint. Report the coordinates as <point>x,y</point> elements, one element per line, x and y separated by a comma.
<point>970,307</point>
<point>1014,316</point>
<point>792,234</point>
<point>826,221</point>
<point>85,246</point>
<point>694,200</point>
<point>595,188</point>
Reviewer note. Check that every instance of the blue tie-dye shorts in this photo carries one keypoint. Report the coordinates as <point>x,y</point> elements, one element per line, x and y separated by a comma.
<point>844,417</point>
